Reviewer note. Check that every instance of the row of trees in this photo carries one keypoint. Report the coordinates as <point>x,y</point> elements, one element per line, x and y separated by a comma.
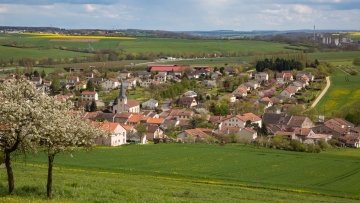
<point>279,64</point>
<point>31,121</point>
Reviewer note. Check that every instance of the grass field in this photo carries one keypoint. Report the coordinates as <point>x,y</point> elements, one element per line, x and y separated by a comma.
<point>149,45</point>
<point>37,53</point>
<point>344,89</point>
<point>197,173</point>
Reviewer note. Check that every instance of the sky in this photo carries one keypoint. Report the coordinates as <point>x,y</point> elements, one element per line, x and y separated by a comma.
<point>183,15</point>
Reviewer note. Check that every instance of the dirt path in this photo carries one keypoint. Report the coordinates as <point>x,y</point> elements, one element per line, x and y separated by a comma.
<point>328,83</point>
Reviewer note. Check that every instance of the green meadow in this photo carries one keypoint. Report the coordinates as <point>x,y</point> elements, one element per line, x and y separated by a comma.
<point>191,173</point>
<point>140,45</point>
<point>344,89</point>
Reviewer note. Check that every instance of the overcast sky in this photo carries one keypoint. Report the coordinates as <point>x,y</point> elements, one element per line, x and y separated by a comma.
<point>183,15</point>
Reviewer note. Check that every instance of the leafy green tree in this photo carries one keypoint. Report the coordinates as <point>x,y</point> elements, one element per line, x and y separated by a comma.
<point>55,86</point>
<point>90,85</point>
<point>141,131</point>
<point>43,74</point>
<point>93,106</point>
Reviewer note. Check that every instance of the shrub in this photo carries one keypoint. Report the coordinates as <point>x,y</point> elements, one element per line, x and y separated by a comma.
<point>297,146</point>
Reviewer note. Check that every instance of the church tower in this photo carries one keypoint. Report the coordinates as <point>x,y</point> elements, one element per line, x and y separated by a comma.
<point>122,99</point>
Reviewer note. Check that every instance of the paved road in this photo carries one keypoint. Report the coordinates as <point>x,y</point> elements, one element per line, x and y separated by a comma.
<point>328,83</point>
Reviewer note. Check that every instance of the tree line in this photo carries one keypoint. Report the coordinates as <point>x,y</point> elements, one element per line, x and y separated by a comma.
<point>279,64</point>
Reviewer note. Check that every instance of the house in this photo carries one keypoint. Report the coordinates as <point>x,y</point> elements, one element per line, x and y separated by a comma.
<point>261,76</point>
<point>178,114</point>
<point>131,83</point>
<point>89,96</point>
<point>89,76</point>
<point>240,120</point>
<point>232,98</point>
<point>110,84</point>
<point>81,85</point>
<point>155,121</point>
<point>337,127</point>
<point>168,69</point>
<point>253,85</point>
<point>285,76</point>
<point>154,132</point>
<point>289,92</point>
<point>241,134</point>
<point>71,81</point>
<point>124,75</point>
<point>122,104</point>
<point>303,76</point>
<point>46,84</point>
<point>187,102</point>
<point>116,134</point>
<point>97,81</point>
<point>275,122</point>
<point>36,81</point>
<point>210,83</point>
<point>192,135</point>
<point>146,83</point>
<point>150,104</point>
<point>190,94</point>
<point>351,140</point>
<point>160,77</point>
<point>240,92</point>
<point>267,102</point>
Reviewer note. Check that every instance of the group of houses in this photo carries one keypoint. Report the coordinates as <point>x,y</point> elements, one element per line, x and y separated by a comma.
<point>123,116</point>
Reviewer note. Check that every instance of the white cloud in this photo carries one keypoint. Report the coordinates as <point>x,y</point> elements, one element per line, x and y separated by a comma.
<point>302,9</point>
<point>90,8</point>
<point>4,9</point>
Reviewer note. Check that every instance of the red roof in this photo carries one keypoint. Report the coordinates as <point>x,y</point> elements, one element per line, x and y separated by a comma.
<point>158,121</point>
<point>106,126</point>
<point>88,93</point>
<point>167,68</point>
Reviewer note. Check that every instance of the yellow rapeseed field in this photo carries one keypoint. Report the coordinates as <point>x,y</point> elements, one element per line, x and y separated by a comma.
<point>61,36</point>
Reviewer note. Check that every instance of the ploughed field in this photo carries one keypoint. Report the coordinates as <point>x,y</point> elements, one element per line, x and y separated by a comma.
<point>198,173</point>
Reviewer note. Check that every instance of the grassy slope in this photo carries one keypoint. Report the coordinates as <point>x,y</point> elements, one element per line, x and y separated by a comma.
<point>74,185</point>
<point>341,92</point>
<point>327,173</point>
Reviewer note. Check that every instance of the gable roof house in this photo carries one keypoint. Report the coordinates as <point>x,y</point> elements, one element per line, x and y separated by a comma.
<point>284,76</point>
<point>240,92</point>
<point>71,81</point>
<point>168,69</point>
<point>190,94</point>
<point>282,122</point>
<point>240,120</point>
<point>253,85</point>
<point>337,127</point>
<point>154,132</point>
<point>187,102</point>
<point>289,92</point>
<point>261,76</point>
<point>89,96</point>
<point>192,135</point>
<point>150,104</point>
<point>305,77</point>
<point>110,84</point>
<point>116,137</point>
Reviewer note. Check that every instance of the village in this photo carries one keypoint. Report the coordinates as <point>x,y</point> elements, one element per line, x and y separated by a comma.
<point>195,115</point>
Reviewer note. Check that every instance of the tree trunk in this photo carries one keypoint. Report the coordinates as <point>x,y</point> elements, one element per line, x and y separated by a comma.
<point>9,171</point>
<point>50,170</point>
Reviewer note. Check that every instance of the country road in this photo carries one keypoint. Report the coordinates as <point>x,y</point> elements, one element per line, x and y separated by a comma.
<point>328,83</point>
